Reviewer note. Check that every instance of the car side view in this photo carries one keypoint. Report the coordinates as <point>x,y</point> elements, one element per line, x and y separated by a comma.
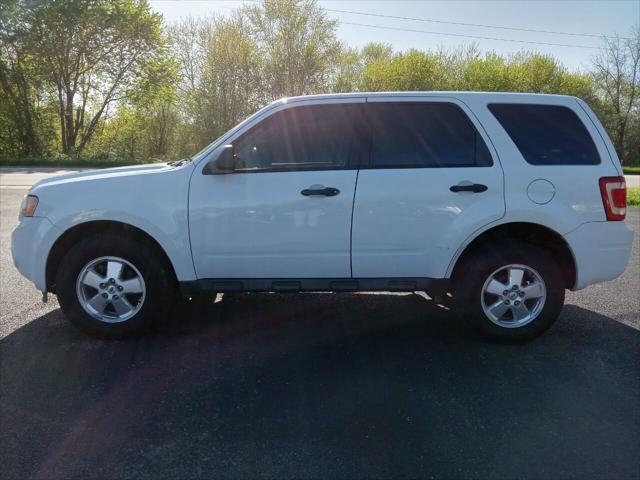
<point>502,200</point>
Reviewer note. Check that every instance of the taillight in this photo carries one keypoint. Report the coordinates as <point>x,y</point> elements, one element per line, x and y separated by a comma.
<point>614,197</point>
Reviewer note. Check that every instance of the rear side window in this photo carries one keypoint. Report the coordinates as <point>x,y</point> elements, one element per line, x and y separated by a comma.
<point>547,134</point>
<point>427,134</point>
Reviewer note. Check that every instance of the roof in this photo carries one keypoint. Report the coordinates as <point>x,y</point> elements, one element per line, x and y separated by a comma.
<point>511,96</point>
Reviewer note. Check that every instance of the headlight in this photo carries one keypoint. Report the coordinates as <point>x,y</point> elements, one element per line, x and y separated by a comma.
<point>28,206</point>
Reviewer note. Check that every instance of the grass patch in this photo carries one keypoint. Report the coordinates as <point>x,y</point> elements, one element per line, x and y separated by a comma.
<point>633,197</point>
<point>632,170</point>
<point>69,162</point>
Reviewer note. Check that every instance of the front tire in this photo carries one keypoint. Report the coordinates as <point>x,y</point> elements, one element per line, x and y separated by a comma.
<point>113,286</point>
<point>511,294</point>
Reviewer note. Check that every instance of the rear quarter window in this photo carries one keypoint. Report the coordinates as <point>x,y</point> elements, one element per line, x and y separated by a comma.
<point>547,134</point>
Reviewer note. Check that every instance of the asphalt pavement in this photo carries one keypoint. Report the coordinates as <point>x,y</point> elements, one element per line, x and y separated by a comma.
<point>319,386</point>
<point>26,176</point>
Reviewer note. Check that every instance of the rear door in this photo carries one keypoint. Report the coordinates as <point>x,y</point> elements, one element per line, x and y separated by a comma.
<point>433,179</point>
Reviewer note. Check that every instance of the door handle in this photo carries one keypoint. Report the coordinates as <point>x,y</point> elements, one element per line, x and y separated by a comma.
<point>319,190</point>
<point>474,187</point>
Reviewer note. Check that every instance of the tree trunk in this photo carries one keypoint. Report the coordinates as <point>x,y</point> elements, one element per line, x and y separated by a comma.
<point>68,120</point>
<point>620,141</point>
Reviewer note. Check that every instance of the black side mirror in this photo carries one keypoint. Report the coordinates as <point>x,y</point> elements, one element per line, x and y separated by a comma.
<point>225,162</point>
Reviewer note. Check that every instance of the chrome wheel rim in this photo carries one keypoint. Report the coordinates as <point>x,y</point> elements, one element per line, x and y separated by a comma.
<point>110,289</point>
<point>513,296</point>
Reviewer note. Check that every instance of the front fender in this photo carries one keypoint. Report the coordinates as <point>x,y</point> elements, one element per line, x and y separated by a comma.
<point>154,202</point>
<point>172,235</point>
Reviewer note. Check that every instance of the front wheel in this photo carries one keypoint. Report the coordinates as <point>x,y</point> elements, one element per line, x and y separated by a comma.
<point>112,286</point>
<point>510,295</point>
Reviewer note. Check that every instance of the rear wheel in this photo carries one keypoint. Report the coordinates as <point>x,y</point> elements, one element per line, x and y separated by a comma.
<point>513,294</point>
<point>112,286</point>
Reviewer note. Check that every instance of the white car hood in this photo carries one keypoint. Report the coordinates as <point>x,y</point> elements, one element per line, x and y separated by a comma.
<point>102,174</point>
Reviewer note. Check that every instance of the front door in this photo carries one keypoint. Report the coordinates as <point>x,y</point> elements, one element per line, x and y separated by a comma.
<point>285,212</point>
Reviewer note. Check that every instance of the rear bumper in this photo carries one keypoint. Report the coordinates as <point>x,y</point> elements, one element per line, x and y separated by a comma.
<point>31,242</point>
<point>601,251</point>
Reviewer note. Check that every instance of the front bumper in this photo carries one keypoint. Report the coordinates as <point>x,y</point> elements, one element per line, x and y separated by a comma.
<point>601,251</point>
<point>31,242</point>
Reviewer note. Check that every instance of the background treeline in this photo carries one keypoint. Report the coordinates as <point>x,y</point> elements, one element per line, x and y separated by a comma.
<point>108,81</point>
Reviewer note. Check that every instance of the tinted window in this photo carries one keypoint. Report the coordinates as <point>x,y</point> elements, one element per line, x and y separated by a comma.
<point>425,135</point>
<point>312,137</point>
<point>547,134</point>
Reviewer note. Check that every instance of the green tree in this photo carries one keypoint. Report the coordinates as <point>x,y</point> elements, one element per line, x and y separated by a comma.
<point>144,125</point>
<point>375,52</point>
<point>413,70</point>
<point>19,86</point>
<point>103,78</point>
<point>617,76</point>
<point>348,70</point>
<point>220,71</point>
<point>351,63</point>
<point>523,72</point>
<point>91,53</point>
<point>298,44</point>
<point>155,104</point>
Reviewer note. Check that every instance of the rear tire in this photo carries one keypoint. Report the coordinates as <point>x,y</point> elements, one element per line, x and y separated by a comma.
<point>509,294</point>
<point>114,286</point>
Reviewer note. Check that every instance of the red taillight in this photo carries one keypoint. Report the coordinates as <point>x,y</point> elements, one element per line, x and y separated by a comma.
<point>614,197</point>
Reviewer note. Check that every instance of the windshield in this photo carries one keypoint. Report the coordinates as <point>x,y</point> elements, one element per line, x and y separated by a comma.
<point>202,153</point>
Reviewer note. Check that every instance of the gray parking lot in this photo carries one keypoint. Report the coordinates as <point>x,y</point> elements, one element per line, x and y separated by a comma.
<point>319,386</point>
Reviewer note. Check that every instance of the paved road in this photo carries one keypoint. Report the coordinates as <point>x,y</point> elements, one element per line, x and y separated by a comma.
<point>319,386</point>
<point>25,177</point>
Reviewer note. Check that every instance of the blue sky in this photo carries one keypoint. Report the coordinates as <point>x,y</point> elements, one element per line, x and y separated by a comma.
<point>582,17</point>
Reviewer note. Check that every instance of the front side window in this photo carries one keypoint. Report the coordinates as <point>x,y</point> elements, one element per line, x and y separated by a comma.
<point>427,134</point>
<point>547,134</point>
<point>302,138</point>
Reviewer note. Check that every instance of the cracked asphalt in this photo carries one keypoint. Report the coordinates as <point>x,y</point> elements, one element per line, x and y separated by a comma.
<point>319,386</point>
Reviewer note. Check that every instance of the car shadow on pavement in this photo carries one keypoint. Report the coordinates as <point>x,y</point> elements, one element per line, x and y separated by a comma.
<point>320,386</point>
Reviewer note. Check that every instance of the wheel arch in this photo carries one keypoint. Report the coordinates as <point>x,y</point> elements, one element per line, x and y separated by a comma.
<point>524,232</point>
<point>72,235</point>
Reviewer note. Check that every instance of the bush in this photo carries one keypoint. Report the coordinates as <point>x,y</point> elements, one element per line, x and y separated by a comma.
<point>59,158</point>
<point>101,160</point>
<point>103,157</point>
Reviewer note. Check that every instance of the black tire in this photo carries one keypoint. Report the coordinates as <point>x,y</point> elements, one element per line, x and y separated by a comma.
<point>470,278</point>
<point>154,268</point>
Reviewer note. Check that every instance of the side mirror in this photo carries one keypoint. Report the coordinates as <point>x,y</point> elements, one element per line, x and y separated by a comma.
<point>224,163</point>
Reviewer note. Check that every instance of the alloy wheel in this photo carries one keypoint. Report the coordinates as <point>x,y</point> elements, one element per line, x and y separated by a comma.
<point>513,295</point>
<point>111,289</point>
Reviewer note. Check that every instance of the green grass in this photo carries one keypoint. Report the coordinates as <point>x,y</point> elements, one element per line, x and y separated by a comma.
<point>633,197</point>
<point>68,162</point>
<point>632,170</point>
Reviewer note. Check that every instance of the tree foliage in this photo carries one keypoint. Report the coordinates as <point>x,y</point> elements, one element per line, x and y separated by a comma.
<point>220,75</point>
<point>297,42</point>
<point>616,76</point>
<point>107,79</point>
<point>20,86</point>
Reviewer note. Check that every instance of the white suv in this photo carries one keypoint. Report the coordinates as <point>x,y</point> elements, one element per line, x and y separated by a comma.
<point>503,200</point>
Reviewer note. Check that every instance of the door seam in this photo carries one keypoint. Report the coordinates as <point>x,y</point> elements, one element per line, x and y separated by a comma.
<point>353,205</point>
